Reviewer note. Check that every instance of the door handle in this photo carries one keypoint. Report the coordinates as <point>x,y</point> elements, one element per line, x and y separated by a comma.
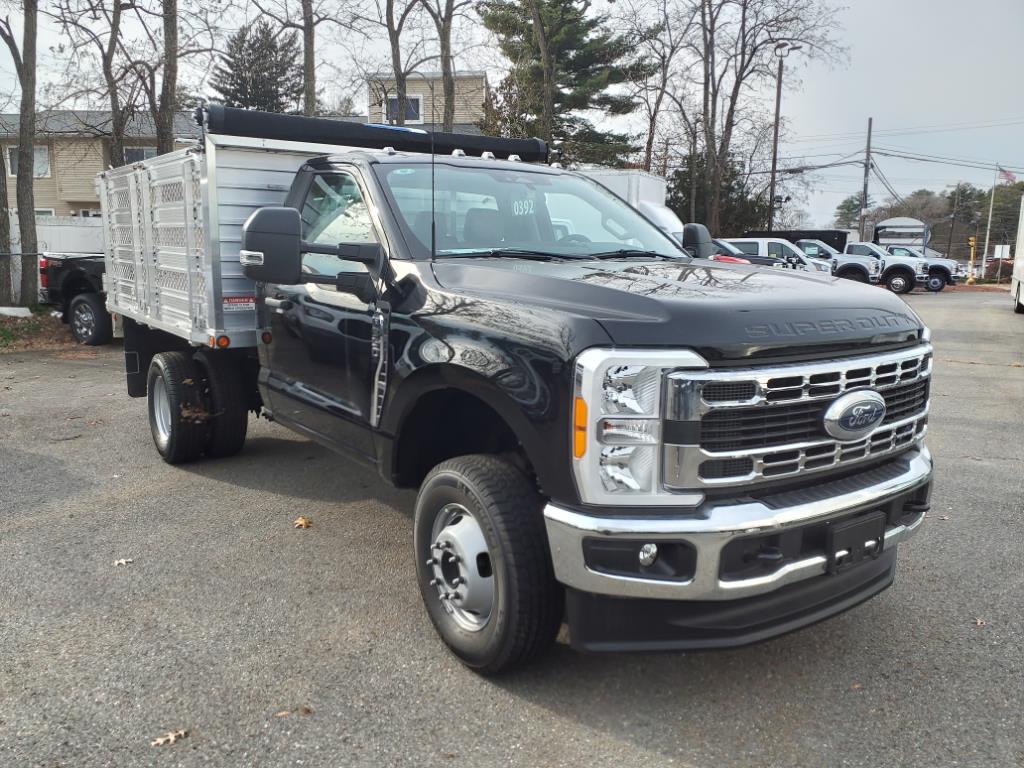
<point>281,304</point>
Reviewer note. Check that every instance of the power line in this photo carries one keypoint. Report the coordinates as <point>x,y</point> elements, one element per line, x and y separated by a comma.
<point>908,131</point>
<point>938,159</point>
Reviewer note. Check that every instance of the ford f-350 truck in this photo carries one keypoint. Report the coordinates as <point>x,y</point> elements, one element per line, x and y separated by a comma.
<point>606,429</point>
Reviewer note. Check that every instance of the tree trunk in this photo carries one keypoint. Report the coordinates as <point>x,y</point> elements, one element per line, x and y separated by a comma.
<point>164,117</point>
<point>652,127</point>
<point>447,69</point>
<point>308,59</point>
<point>118,118</point>
<point>6,286</point>
<point>547,118</point>
<point>26,159</point>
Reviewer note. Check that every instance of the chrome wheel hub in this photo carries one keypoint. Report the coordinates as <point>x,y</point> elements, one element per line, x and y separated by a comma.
<point>460,565</point>
<point>161,409</point>
<point>82,321</point>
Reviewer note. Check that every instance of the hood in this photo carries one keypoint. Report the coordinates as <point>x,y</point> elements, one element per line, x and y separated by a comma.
<point>725,311</point>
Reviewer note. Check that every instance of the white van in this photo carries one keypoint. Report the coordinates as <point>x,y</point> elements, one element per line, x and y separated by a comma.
<point>777,248</point>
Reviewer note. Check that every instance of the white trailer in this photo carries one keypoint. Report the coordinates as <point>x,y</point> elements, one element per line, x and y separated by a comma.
<point>173,229</point>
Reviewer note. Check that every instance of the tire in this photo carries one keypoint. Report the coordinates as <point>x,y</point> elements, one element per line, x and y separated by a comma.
<point>177,415</point>
<point>225,398</point>
<point>853,274</point>
<point>936,282</point>
<point>487,513</point>
<point>89,320</point>
<point>1017,306</point>
<point>900,282</point>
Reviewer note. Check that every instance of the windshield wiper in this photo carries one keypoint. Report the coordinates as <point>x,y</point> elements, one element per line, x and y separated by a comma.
<point>518,253</point>
<point>625,253</point>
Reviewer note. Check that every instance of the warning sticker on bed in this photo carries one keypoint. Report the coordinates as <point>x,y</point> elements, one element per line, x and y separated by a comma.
<point>238,303</point>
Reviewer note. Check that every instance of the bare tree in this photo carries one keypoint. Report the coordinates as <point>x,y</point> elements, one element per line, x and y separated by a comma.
<point>662,29</point>
<point>443,14</point>
<point>309,15</point>
<point>6,287</point>
<point>397,18</point>
<point>24,56</point>
<point>169,35</point>
<point>93,29</point>
<point>735,48</point>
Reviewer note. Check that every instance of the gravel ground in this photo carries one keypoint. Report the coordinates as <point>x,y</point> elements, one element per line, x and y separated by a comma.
<point>274,646</point>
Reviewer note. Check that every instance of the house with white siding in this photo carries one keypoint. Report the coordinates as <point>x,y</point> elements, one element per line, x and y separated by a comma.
<point>424,107</point>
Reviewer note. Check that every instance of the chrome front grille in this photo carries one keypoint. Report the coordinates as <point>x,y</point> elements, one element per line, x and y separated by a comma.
<point>747,426</point>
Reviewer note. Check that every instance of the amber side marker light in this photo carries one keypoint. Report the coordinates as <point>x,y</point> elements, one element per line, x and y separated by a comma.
<point>267,337</point>
<point>579,427</point>
<point>223,342</point>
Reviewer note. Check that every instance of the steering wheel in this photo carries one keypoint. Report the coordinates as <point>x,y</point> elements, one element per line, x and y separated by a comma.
<point>575,238</point>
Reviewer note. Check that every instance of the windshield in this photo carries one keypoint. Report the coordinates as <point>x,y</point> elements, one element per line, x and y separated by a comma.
<point>824,250</point>
<point>484,209</point>
<point>728,249</point>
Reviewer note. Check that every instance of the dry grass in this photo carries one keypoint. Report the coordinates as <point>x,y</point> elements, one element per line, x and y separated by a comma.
<point>39,332</point>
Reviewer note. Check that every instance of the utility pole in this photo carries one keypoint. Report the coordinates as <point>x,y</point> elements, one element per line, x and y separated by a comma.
<point>775,146</point>
<point>988,227</point>
<point>952,222</point>
<point>864,194</point>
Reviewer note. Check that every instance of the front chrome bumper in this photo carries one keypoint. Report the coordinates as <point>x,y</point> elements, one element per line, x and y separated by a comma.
<point>711,526</point>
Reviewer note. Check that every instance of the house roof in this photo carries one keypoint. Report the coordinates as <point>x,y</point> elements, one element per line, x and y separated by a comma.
<point>431,74</point>
<point>87,122</point>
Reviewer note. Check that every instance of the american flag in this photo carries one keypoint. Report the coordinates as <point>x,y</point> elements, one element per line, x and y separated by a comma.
<point>1006,176</point>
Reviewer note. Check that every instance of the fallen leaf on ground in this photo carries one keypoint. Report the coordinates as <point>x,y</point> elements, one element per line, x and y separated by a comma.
<point>979,622</point>
<point>124,561</point>
<point>304,710</point>
<point>302,522</point>
<point>169,738</point>
<point>856,687</point>
<point>282,713</point>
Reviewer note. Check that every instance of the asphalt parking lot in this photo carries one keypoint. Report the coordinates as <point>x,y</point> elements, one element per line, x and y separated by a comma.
<point>273,646</point>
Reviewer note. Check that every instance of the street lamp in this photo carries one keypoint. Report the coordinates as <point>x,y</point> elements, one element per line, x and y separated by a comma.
<point>782,50</point>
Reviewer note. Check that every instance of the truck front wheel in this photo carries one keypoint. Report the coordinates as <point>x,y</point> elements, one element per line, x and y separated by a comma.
<point>483,565</point>
<point>177,416</point>
<point>936,281</point>
<point>89,320</point>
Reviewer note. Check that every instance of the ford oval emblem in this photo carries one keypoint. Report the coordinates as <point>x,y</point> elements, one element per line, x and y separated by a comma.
<point>854,415</point>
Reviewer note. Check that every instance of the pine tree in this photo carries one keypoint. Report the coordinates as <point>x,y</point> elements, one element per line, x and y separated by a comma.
<point>584,60</point>
<point>261,69</point>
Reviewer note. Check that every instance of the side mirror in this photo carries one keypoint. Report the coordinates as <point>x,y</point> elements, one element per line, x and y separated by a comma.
<point>272,246</point>
<point>697,241</point>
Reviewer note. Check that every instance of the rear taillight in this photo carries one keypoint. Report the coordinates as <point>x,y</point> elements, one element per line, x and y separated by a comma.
<point>42,272</point>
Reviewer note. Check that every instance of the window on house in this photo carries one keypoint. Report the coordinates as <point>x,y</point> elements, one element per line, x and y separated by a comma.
<point>45,212</point>
<point>40,166</point>
<point>413,109</point>
<point>138,154</point>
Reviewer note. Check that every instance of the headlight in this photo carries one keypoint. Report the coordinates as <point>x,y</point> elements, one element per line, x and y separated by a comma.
<point>922,267</point>
<point>877,266</point>
<point>616,424</point>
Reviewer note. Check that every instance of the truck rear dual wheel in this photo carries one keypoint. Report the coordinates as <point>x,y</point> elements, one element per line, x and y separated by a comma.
<point>177,414</point>
<point>197,406</point>
<point>483,566</point>
<point>225,398</point>
<point>89,320</point>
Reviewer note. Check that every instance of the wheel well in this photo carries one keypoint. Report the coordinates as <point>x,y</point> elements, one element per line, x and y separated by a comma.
<point>73,286</point>
<point>899,270</point>
<point>938,270</point>
<point>444,424</point>
<point>848,270</point>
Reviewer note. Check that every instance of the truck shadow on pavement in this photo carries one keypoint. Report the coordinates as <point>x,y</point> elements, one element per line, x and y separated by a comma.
<point>293,466</point>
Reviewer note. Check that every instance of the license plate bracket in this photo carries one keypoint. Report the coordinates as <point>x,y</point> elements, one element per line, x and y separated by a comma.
<point>851,541</point>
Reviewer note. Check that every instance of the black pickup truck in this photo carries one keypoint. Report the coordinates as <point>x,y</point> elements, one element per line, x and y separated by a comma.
<point>73,282</point>
<point>606,428</point>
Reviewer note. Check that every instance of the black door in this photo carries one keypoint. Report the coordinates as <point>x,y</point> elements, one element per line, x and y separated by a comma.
<point>321,369</point>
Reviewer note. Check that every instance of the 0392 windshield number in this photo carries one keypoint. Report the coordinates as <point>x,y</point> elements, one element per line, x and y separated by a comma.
<point>522,207</point>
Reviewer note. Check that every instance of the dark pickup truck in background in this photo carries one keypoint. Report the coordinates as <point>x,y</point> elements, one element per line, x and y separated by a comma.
<point>73,283</point>
<point>606,428</point>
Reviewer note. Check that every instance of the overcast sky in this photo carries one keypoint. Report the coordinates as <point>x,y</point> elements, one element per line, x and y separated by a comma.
<point>913,63</point>
<point>944,75</point>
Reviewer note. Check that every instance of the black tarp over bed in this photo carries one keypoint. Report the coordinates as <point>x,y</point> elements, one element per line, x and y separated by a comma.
<point>232,121</point>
